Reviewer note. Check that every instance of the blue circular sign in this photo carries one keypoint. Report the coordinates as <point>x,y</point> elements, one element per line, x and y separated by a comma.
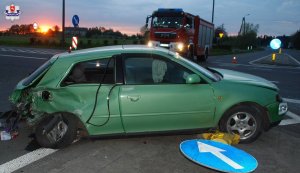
<point>75,20</point>
<point>275,43</point>
<point>218,156</point>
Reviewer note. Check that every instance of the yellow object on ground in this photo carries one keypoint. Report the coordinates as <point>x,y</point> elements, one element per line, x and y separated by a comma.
<point>273,57</point>
<point>225,138</point>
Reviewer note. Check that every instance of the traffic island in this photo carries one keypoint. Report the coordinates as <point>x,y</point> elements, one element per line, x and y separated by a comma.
<point>277,60</point>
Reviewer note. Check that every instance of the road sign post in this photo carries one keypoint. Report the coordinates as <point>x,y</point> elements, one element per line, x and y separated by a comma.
<point>218,156</point>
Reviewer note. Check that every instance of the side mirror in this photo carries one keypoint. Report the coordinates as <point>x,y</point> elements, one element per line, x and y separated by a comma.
<point>147,21</point>
<point>192,79</point>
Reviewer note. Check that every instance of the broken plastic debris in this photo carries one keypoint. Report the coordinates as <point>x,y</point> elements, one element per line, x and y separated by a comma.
<point>225,138</point>
<point>5,136</point>
<point>14,134</point>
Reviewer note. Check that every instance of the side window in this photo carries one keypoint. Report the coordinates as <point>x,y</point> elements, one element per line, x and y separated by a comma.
<point>94,71</point>
<point>154,70</point>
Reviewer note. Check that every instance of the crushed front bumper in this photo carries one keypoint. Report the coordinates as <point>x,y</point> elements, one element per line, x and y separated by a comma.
<point>275,112</point>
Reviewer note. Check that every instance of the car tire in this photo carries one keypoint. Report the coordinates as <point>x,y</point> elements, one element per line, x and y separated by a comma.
<point>244,120</point>
<point>62,132</point>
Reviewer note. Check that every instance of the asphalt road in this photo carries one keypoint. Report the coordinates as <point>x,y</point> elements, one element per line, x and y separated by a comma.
<point>277,150</point>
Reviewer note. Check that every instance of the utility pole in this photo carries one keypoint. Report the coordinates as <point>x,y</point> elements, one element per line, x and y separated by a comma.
<point>213,12</point>
<point>244,21</point>
<point>243,26</point>
<point>63,25</point>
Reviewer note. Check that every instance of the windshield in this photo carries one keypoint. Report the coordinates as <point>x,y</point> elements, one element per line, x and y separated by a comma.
<point>202,70</point>
<point>28,80</point>
<point>167,22</point>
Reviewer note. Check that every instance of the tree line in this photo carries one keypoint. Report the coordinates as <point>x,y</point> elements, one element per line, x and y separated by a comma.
<point>27,29</point>
<point>244,41</point>
<point>249,38</point>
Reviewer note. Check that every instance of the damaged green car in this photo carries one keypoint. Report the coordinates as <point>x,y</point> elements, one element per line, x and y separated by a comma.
<point>136,89</point>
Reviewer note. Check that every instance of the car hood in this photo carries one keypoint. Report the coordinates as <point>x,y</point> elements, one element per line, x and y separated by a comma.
<point>239,77</point>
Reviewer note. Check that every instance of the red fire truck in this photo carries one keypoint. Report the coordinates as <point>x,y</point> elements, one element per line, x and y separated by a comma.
<point>182,32</point>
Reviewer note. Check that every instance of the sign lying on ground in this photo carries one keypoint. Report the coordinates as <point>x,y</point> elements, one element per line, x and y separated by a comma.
<point>218,156</point>
<point>12,12</point>
<point>275,43</point>
<point>75,20</point>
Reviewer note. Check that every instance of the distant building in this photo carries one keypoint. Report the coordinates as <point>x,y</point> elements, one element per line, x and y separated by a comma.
<point>72,31</point>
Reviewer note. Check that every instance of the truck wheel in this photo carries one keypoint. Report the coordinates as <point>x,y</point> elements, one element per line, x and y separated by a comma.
<point>243,120</point>
<point>56,131</point>
<point>204,57</point>
<point>190,55</point>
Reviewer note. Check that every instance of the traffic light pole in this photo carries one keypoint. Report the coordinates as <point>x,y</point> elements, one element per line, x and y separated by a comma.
<point>63,25</point>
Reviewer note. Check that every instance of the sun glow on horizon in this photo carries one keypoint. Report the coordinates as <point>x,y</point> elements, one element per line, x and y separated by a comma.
<point>44,28</point>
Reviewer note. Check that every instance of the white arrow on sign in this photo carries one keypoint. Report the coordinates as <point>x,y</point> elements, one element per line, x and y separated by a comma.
<point>205,148</point>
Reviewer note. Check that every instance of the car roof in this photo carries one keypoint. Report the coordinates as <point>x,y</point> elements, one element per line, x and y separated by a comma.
<point>112,50</point>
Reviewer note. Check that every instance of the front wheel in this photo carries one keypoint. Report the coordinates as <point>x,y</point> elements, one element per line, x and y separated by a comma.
<point>56,131</point>
<point>245,121</point>
<point>190,55</point>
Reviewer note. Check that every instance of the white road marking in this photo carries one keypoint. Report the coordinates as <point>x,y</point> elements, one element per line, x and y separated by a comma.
<point>293,59</point>
<point>273,66</point>
<point>252,62</point>
<point>25,57</point>
<point>25,160</point>
<point>291,100</point>
<point>294,119</point>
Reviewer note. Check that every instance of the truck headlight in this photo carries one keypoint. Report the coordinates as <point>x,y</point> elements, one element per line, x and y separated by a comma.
<point>150,44</point>
<point>180,47</point>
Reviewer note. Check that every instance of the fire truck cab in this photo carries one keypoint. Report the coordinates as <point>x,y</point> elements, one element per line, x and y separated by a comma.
<point>182,32</point>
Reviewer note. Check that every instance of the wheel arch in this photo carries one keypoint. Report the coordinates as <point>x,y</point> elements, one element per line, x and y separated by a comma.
<point>258,107</point>
<point>79,124</point>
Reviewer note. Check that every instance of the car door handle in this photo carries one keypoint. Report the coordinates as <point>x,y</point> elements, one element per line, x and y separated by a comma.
<point>133,98</point>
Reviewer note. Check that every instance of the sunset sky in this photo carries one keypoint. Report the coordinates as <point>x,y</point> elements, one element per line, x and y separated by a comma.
<point>275,17</point>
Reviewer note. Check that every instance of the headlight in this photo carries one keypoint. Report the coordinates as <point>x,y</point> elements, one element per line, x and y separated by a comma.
<point>150,44</point>
<point>283,108</point>
<point>180,47</point>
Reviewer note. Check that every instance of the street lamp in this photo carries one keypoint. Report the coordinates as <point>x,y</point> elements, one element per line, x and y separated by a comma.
<point>243,25</point>
<point>244,20</point>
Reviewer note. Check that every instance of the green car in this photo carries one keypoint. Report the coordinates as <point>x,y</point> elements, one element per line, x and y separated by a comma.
<point>136,89</point>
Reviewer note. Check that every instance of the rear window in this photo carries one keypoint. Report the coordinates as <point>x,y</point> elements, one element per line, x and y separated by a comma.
<point>27,81</point>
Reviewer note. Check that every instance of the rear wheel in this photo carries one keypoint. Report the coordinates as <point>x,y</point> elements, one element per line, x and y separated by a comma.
<point>245,121</point>
<point>56,131</point>
<point>203,58</point>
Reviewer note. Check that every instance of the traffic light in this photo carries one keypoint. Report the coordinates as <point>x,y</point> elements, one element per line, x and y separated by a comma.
<point>221,34</point>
